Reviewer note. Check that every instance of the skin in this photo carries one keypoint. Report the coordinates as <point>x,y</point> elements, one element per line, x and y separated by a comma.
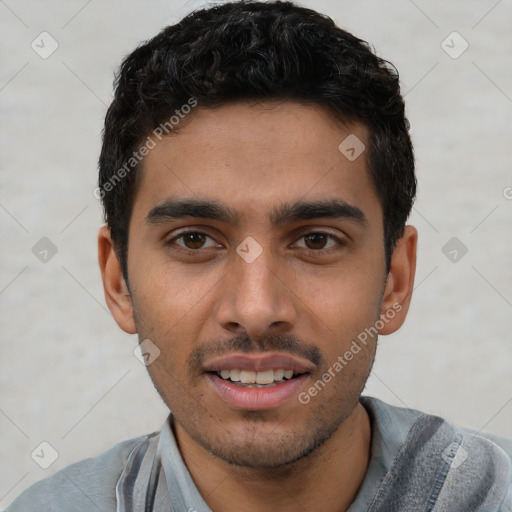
<point>254,158</point>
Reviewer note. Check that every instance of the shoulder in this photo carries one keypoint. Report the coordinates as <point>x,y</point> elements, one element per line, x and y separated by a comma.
<point>476,463</point>
<point>504,443</point>
<point>404,419</point>
<point>86,485</point>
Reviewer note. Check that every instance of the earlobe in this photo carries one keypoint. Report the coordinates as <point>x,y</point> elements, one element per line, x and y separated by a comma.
<point>400,282</point>
<point>117,294</point>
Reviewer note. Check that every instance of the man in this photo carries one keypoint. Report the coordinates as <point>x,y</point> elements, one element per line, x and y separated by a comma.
<point>257,174</point>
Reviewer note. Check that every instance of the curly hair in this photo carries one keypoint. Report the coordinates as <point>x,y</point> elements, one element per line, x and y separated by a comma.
<point>256,51</point>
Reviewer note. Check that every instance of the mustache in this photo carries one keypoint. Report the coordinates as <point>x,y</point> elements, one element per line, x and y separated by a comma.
<point>242,343</point>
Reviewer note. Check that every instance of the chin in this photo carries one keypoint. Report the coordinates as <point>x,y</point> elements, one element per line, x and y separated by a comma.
<point>264,448</point>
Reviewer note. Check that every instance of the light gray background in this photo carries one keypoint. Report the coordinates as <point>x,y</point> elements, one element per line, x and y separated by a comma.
<point>68,375</point>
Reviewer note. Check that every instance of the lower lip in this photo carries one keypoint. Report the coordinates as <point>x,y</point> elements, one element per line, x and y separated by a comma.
<point>256,399</point>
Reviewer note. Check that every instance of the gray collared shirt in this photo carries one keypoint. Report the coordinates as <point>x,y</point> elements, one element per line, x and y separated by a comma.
<point>419,462</point>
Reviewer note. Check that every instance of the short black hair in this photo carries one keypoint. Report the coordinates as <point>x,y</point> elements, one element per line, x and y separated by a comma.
<point>254,51</point>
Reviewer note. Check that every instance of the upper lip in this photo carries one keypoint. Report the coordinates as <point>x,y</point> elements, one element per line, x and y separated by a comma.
<point>259,362</point>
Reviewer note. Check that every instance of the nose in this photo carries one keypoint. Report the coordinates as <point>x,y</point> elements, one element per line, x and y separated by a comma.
<point>256,298</point>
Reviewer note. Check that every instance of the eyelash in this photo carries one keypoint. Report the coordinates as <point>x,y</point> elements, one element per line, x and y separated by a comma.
<point>311,252</point>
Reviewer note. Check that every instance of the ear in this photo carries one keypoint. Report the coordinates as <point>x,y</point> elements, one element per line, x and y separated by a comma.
<point>116,291</point>
<point>400,282</point>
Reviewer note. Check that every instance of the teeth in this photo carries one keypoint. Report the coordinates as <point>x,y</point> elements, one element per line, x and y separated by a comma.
<point>265,377</point>
<point>278,374</point>
<point>247,377</point>
<point>250,377</point>
<point>234,375</point>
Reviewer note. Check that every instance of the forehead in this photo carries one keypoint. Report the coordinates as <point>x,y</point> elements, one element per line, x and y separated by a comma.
<point>256,156</point>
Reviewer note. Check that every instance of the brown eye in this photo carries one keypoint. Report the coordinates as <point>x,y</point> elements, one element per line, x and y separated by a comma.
<point>193,240</point>
<point>316,240</point>
<point>319,242</point>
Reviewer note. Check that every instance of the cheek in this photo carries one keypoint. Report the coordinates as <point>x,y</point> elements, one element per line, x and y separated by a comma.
<point>340,309</point>
<point>167,294</point>
<point>343,299</point>
<point>168,309</point>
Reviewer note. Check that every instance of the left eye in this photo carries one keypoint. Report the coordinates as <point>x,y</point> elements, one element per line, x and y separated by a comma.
<point>318,241</point>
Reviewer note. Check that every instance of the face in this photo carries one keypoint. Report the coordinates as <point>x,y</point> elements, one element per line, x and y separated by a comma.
<point>255,259</point>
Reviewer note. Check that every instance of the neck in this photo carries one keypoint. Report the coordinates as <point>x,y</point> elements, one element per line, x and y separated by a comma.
<point>328,479</point>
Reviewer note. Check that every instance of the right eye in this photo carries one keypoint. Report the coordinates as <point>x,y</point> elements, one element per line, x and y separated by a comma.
<point>192,241</point>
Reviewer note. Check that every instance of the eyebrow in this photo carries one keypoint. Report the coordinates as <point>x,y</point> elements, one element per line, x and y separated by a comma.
<point>283,214</point>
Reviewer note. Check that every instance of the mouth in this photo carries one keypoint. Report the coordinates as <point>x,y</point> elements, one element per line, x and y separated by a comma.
<point>258,381</point>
